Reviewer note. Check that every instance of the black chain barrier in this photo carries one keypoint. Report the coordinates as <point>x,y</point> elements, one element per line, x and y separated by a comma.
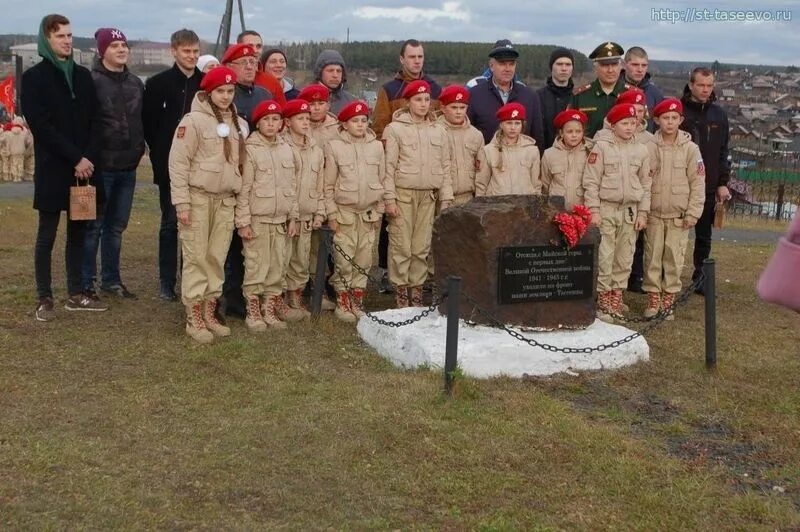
<point>652,323</point>
<point>437,299</point>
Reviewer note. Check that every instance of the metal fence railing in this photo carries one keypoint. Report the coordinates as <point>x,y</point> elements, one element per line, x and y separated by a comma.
<point>765,183</point>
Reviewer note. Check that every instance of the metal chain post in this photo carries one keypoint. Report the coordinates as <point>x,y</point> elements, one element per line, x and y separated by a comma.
<point>652,324</point>
<point>396,324</point>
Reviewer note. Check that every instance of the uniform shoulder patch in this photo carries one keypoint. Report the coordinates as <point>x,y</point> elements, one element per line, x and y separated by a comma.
<point>181,132</point>
<point>579,90</point>
<point>592,158</point>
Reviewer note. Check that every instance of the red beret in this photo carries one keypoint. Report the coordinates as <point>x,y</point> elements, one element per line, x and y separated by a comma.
<point>620,111</point>
<point>419,86</point>
<point>356,108</point>
<point>267,107</point>
<point>667,105</point>
<point>237,51</point>
<point>632,96</point>
<point>454,94</point>
<point>316,92</point>
<point>511,111</point>
<point>295,107</point>
<point>216,77</point>
<point>570,114</point>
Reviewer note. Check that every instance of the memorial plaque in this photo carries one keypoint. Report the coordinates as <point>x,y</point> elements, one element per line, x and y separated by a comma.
<point>550,289</point>
<point>545,273</point>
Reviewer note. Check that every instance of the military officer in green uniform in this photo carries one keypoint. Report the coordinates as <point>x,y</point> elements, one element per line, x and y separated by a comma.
<point>596,98</point>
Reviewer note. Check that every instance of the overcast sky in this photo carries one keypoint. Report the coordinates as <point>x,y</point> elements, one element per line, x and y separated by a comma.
<point>579,24</point>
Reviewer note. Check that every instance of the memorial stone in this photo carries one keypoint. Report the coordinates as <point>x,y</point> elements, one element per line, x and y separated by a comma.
<point>514,263</point>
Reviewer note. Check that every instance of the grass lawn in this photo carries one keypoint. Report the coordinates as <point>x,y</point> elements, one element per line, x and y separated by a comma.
<point>119,420</point>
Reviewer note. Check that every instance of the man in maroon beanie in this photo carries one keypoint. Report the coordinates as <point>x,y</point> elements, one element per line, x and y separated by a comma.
<point>119,95</point>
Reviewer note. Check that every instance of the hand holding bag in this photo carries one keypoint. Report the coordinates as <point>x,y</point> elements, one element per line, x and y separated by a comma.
<point>82,201</point>
<point>780,281</point>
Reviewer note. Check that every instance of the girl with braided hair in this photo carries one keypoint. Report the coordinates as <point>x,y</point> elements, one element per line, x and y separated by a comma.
<point>512,158</point>
<point>205,165</point>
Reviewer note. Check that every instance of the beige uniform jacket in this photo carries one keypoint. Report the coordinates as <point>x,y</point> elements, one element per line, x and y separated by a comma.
<point>309,186</point>
<point>641,136</point>
<point>417,156</point>
<point>324,131</point>
<point>197,157</point>
<point>509,169</point>
<point>617,171</point>
<point>562,171</point>
<point>679,181</point>
<point>354,175</point>
<point>269,182</point>
<point>467,155</point>
<point>16,141</point>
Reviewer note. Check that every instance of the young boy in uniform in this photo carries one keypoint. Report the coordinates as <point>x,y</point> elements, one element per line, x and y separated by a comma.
<point>16,141</point>
<point>324,126</point>
<point>354,200</point>
<point>266,214</point>
<point>418,175</point>
<point>466,142</point>
<point>311,206</point>
<point>563,163</point>
<point>678,193</point>
<point>638,99</point>
<point>617,182</point>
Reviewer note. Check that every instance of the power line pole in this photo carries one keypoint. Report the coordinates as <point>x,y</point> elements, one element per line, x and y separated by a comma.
<point>224,36</point>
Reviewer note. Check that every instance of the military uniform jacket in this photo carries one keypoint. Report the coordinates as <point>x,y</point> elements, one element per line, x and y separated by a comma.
<point>16,141</point>
<point>354,175</point>
<point>417,155</point>
<point>562,171</point>
<point>324,131</point>
<point>197,156</point>
<point>269,182</point>
<point>592,100</point>
<point>467,155</point>
<point>309,185</point>
<point>617,171</point>
<point>509,169</point>
<point>679,184</point>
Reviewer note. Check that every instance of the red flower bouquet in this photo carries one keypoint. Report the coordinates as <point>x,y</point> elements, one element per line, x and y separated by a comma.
<point>573,225</point>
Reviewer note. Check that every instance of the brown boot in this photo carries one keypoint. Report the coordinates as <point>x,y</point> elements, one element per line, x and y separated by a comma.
<point>344,310</point>
<point>195,326</point>
<point>210,317</point>
<point>653,304</point>
<point>604,311</point>
<point>667,301</point>
<point>254,320</point>
<point>296,310</point>
<point>270,310</point>
<point>617,303</point>
<point>401,296</point>
<point>357,302</point>
<point>416,296</point>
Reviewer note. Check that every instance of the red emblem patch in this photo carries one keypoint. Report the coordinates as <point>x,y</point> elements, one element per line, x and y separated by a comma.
<point>181,132</point>
<point>592,158</point>
<point>477,164</point>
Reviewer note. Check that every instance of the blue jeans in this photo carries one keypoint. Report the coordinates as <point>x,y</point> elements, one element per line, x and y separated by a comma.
<point>106,231</point>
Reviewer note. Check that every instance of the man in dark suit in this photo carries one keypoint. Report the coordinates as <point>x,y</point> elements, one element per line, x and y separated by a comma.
<point>167,97</point>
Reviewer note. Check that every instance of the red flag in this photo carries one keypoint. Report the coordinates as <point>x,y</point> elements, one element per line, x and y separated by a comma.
<point>7,96</point>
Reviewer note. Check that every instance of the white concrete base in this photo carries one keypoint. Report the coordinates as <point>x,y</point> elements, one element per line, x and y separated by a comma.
<point>489,352</point>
